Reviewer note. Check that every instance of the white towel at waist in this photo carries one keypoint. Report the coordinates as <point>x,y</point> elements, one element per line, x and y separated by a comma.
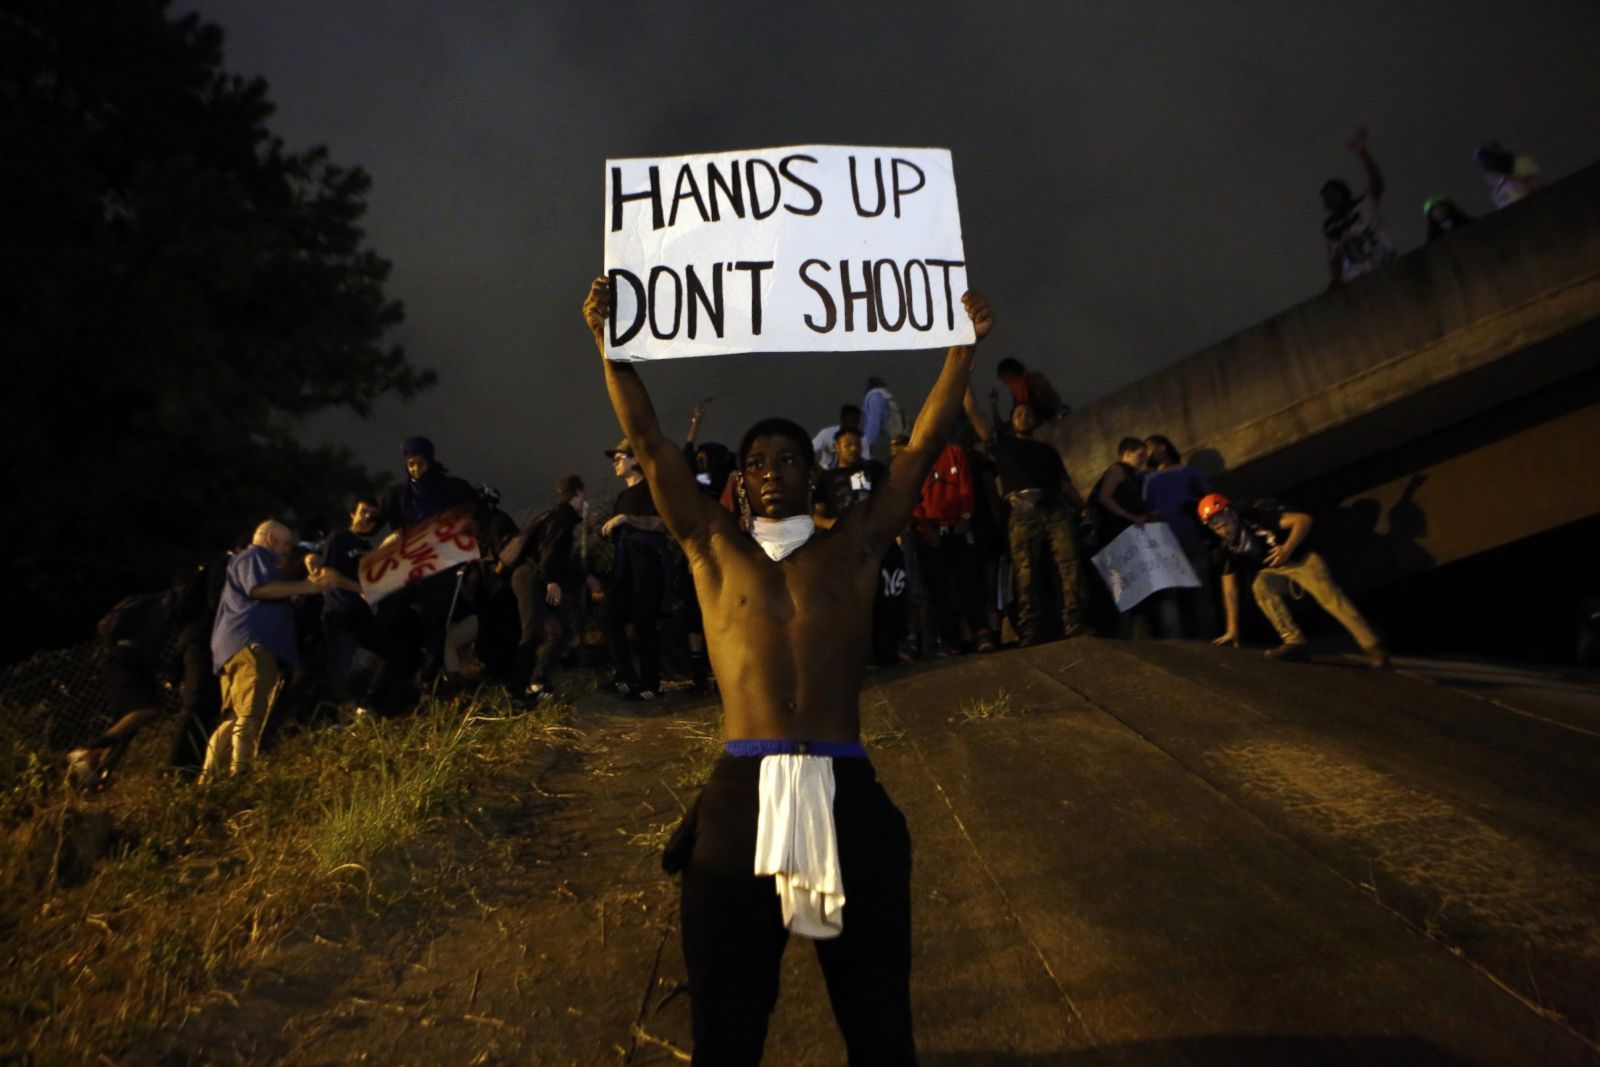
<point>796,844</point>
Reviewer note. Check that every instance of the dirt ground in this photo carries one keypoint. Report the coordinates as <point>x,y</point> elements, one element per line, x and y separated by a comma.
<point>548,894</point>
<point>1174,856</point>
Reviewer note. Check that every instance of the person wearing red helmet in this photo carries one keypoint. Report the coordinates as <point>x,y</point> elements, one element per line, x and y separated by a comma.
<point>1268,544</point>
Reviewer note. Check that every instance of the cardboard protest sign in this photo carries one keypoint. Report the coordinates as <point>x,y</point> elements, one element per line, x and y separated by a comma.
<point>813,248</point>
<point>418,552</point>
<point>1141,561</point>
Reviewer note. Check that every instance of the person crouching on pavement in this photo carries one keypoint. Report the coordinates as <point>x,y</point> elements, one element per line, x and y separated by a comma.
<point>1267,544</point>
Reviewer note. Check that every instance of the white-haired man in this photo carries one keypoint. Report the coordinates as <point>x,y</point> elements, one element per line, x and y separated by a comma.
<point>252,641</point>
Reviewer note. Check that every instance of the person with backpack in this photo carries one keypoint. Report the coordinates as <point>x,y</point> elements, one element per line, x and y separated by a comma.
<point>548,583</point>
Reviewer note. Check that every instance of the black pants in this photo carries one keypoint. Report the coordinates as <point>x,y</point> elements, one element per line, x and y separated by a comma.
<point>636,597</point>
<point>951,571</point>
<point>546,629</point>
<point>733,932</point>
<point>409,632</point>
<point>342,633</point>
<point>890,607</point>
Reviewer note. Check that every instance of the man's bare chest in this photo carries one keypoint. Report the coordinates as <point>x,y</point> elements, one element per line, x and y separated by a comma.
<point>818,588</point>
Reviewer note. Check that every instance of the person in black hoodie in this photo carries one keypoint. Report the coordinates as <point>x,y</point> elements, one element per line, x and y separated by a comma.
<point>428,489</point>
<point>548,582</point>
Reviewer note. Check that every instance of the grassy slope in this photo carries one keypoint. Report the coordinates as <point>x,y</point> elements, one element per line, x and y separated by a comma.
<point>196,883</point>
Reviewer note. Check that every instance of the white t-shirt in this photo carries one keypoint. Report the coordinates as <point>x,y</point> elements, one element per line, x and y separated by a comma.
<point>827,452</point>
<point>1507,189</point>
<point>1357,240</point>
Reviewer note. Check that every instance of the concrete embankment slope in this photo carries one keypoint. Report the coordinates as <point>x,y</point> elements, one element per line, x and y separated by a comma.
<point>1213,858</point>
<point>1125,853</point>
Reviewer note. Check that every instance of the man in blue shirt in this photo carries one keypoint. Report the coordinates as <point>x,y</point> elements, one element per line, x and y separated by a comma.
<point>252,640</point>
<point>882,419</point>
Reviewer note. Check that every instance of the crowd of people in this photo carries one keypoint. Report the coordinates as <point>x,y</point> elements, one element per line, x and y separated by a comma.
<point>995,553</point>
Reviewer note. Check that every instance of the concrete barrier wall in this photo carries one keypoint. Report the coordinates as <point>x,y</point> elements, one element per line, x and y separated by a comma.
<point>1519,280</point>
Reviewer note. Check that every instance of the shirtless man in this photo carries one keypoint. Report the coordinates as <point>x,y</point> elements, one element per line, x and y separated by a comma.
<point>788,621</point>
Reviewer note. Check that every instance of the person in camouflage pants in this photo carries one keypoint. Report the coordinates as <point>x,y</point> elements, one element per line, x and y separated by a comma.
<point>1031,528</point>
<point>1043,501</point>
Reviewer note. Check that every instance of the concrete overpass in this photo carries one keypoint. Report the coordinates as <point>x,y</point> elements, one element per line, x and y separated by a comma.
<point>1466,373</point>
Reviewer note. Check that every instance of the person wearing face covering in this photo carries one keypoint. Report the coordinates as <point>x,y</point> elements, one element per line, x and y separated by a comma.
<point>792,833</point>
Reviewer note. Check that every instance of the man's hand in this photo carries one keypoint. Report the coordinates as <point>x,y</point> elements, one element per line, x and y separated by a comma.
<point>1229,638</point>
<point>978,311</point>
<point>596,590</point>
<point>1278,556</point>
<point>698,413</point>
<point>612,523</point>
<point>597,309</point>
<point>552,594</point>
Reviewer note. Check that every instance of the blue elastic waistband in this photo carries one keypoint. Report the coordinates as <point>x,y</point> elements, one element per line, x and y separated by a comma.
<point>786,747</point>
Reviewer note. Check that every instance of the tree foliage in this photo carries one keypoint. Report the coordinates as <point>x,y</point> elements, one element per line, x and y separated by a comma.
<point>178,291</point>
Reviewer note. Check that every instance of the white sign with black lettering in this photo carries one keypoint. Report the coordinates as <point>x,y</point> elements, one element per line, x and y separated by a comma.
<point>1144,560</point>
<point>817,248</point>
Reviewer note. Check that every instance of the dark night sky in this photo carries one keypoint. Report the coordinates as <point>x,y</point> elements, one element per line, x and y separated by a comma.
<point>1137,180</point>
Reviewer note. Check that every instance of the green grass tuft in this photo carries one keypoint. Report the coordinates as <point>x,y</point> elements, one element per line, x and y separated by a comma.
<point>1000,706</point>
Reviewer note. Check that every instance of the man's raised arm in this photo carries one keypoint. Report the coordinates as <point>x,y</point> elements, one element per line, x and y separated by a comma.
<point>982,426</point>
<point>687,511</point>
<point>890,507</point>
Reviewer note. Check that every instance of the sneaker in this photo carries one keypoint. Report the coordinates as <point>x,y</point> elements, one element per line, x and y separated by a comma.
<point>1289,652</point>
<point>536,694</point>
<point>645,695</point>
<point>986,642</point>
<point>1076,629</point>
<point>1377,657</point>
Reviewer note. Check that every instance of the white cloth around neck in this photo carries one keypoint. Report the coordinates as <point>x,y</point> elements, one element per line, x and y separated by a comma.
<point>779,537</point>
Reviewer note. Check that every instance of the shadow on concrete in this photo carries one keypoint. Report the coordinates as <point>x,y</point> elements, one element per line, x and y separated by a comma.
<point>1360,555</point>
<point>1226,1050</point>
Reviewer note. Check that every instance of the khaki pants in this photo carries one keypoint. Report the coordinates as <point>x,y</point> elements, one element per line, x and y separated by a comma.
<point>1311,574</point>
<point>250,684</point>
